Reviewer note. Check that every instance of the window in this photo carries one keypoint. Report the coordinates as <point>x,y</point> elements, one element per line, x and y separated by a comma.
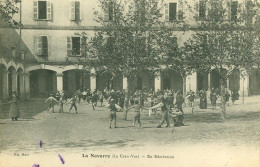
<point>73,46</point>
<point>109,12</point>
<point>202,10</point>
<point>42,46</point>
<point>75,11</point>
<point>172,11</point>
<point>42,10</point>
<point>234,5</point>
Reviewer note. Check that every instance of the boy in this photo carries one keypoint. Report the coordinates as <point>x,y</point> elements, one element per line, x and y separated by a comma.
<point>137,108</point>
<point>112,113</point>
<point>51,99</point>
<point>73,101</point>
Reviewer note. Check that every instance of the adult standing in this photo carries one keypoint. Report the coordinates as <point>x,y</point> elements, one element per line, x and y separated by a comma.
<point>14,107</point>
<point>203,99</point>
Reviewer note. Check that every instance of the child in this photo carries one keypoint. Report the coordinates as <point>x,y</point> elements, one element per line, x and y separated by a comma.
<point>137,108</point>
<point>94,100</point>
<point>51,99</point>
<point>73,101</point>
<point>101,98</point>
<point>113,109</point>
<point>61,102</point>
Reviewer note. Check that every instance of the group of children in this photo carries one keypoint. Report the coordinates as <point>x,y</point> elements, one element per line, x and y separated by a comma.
<point>122,101</point>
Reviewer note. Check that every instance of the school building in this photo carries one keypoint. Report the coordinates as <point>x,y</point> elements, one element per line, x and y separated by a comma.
<point>33,59</point>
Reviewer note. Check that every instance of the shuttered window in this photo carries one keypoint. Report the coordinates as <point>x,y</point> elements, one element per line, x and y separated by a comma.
<point>234,5</point>
<point>75,11</point>
<point>42,10</point>
<point>42,45</point>
<point>73,46</point>
<point>202,9</point>
<point>172,11</point>
<point>108,13</point>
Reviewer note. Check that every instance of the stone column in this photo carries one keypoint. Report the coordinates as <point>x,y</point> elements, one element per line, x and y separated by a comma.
<point>21,85</point>
<point>157,81</point>
<point>93,80</point>
<point>5,84</point>
<point>193,81</point>
<point>209,84</point>
<point>59,81</point>
<point>124,82</point>
<point>244,86</point>
<point>227,84</point>
<point>14,81</point>
<point>26,77</point>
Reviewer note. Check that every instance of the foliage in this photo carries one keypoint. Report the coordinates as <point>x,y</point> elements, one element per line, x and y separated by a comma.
<point>223,43</point>
<point>8,9</point>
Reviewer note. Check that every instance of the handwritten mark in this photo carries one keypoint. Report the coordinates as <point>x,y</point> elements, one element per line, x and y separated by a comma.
<point>41,143</point>
<point>36,165</point>
<point>62,160</point>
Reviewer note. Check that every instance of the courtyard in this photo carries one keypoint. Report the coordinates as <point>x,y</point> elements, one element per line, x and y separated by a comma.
<point>205,136</point>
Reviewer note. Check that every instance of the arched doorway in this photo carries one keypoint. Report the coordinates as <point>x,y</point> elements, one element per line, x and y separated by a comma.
<point>143,81</point>
<point>75,79</point>
<point>202,81</point>
<point>42,82</point>
<point>254,82</point>
<point>3,82</point>
<point>171,80</point>
<point>234,80</point>
<point>104,81</point>
<point>215,79</point>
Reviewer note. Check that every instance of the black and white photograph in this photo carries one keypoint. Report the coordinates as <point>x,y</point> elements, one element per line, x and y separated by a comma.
<point>149,83</point>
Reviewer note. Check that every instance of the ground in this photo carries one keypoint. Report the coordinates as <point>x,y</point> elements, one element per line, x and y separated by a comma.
<point>204,138</point>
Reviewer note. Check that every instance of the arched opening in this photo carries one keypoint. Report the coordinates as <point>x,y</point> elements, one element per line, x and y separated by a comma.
<point>3,82</point>
<point>202,81</point>
<point>75,79</point>
<point>215,79</point>
<point>143,81</point>
<point>42,82</point>
<point>234,80</point>
<point>254,82</point>
<point>104,81</point>
<point>171,80</point>
<point>12,80</point>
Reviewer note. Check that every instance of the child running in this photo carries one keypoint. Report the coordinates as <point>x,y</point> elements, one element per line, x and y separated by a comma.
<point>73,101</point>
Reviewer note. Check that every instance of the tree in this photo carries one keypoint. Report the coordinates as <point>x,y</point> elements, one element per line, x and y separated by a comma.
<point>222,40</point>
<point>8,9</point>
<point>127,42</point>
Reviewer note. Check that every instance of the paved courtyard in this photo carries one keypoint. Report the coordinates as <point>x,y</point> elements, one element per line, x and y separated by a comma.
<point>204,137</point>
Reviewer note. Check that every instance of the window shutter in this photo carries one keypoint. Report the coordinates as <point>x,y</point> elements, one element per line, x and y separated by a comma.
<point>180,10</point>
<point>77,10</point>
<point>35,10</point>
<point>69,46</point>
<point>49,13</point>
<point>166,12</point>
<point>39,45</point>
<point>106,12</point>
<point>72,12</point>
<point>208,8</point>
<point>44,45</point>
